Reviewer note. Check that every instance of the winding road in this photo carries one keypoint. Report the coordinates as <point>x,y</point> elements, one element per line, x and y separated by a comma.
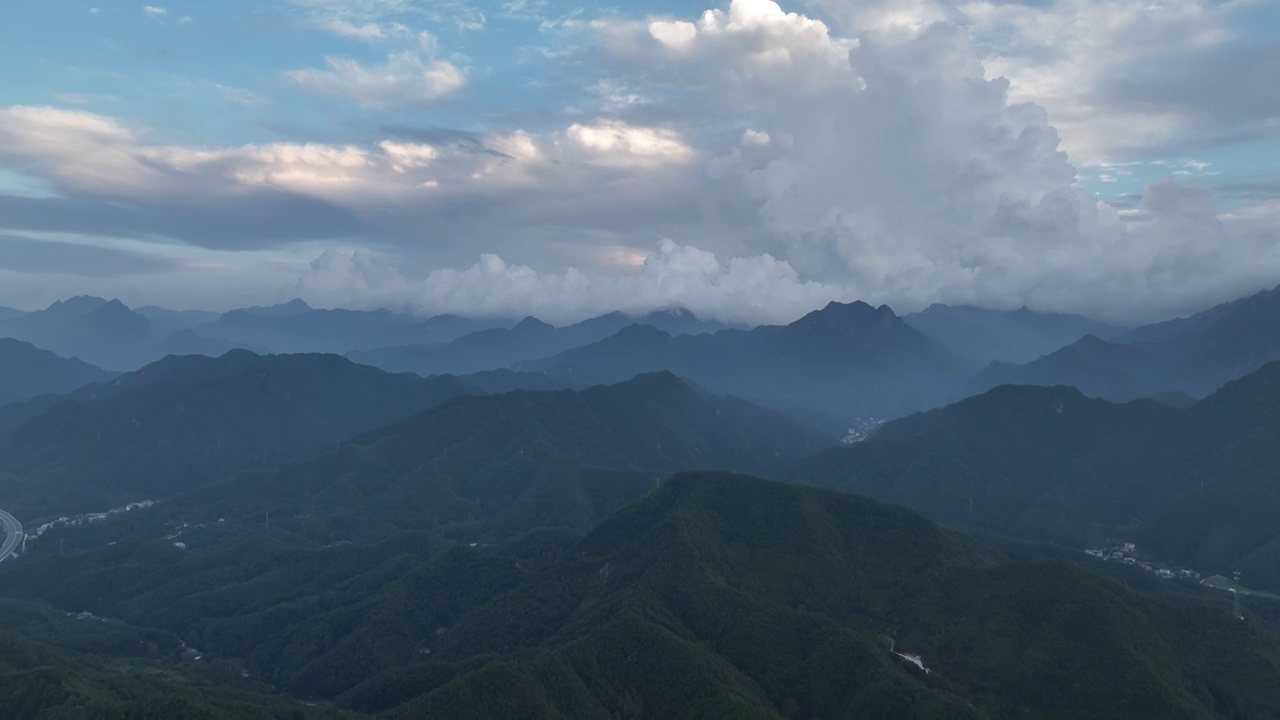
<point>12,537</point>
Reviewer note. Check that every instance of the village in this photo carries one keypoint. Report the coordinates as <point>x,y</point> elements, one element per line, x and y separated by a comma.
<point>1126,553</point>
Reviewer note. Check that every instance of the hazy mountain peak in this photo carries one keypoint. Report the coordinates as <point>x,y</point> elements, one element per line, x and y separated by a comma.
<point>532,323</point>
<point>80,304</point>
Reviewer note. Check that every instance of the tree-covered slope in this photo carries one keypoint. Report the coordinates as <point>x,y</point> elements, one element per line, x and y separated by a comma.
<point>493,466</point>
<point>27,372</point>
<point>1197,486</point>
<point>717,595</point>
<point>185,421</point>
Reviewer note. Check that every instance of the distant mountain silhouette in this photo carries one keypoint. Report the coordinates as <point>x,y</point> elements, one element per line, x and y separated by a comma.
<point>168,322</point>
<point>98,331</point>
<point>531,338</point>
<point>1193,356</point>
<point>1016,336</point>
<point>296,327</point>
<point>846,360</point>
<point>27,372</point>
<point>1094,366</point>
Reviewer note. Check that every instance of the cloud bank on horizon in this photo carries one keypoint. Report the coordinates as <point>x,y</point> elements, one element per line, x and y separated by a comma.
<point>749,161</point>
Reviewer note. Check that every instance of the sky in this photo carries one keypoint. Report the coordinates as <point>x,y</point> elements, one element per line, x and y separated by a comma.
<point>745,159</point>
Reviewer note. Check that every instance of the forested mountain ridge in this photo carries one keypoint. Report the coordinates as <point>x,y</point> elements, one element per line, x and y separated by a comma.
<point>717,595</point>
<point>490,467</point>
<point>184,421</point>
<point>1195,486</point>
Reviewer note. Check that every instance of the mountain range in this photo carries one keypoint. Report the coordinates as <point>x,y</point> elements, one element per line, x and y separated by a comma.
<point>184,421</point>
<point>490,467</point>
<point>1195,486</point>
<point>841,366</point>
<point>843,361</point>
<point>498,348</point>
<point>1194,355</point>
<point>1020,336</point>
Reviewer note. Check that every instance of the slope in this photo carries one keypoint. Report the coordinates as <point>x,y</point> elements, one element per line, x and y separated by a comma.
<point>838,363</point>
<point>531,338</point>
<point>185,421</point>
<point>1194,355</point>
<point>1197,486</point>
<point>1016,336</point>
<point>488,468</point>
<point>715,596</point>
<point>27,372</point>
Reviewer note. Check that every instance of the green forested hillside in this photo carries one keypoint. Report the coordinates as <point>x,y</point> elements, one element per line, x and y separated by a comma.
<point>55,666</point>
<point>1197,486</point>
<point>185,421</point>
<point>485,468</point>
<point>716,596</point>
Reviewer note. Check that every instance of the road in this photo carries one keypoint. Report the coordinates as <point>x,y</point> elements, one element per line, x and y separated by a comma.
<point>13,535</point>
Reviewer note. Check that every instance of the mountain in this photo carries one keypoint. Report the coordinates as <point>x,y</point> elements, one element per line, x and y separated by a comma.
<point>27,372</point>
<point>490,467</point>
<point>293,308</point>
<point>845,361</point>
<point>185,421</point>
<point>58,664</point>
<point>1094,366</point>
<point>1196,486</point>
<point>498,348</point>
<point>8,313</point>
<point>716,595</point>
<point>296,327</point>
<point>1017,336</point>
<point>438,329</point>
<point>167,322</point>
<point>187,342</point>
<point>1193,356</point>
<point>98,331</point>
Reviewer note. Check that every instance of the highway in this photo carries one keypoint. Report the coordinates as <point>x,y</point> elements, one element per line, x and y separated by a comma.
<point>12,537</point>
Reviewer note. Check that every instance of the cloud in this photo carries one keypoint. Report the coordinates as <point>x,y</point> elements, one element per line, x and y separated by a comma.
<point>742,290</point>
<point>32,255</point>
<point>153,10</point>
<point>405,79</point>
<point>367,32</point>
<point>240,96</point>
<point>891,153</point>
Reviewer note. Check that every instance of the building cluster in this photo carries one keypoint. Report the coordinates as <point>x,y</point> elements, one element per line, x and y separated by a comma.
<point>1126,553</point>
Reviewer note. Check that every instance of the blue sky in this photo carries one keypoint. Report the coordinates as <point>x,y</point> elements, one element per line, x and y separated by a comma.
<point>746,158</point>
